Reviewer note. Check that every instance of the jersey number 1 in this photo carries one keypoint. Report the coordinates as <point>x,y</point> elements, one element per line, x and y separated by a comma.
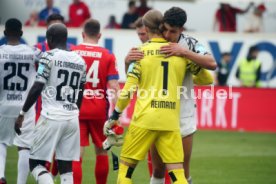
<point>165,66</point>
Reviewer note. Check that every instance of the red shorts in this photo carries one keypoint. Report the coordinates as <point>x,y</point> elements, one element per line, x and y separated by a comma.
<point>95,129</point>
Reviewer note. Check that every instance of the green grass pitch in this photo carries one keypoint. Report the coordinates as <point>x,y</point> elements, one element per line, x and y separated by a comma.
<point>218,158</point>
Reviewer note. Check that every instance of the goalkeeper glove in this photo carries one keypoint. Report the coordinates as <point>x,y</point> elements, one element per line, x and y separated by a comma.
<point>113,140</point>
<point>112,120</point>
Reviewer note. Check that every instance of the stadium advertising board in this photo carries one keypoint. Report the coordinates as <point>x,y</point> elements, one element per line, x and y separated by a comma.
<point>232,109</point>
<point>120,41</point>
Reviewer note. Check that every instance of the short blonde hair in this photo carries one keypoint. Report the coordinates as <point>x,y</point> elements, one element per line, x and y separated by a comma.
<point>153,20</point>
<point>139,23</point>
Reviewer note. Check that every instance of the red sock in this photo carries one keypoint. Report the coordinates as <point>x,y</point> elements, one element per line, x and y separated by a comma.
<point>149,164</point>
<point>101,169</point>
<point>167,178</point>
<point>48,166</point>
<point>54,169</point>
<point>77,171</point>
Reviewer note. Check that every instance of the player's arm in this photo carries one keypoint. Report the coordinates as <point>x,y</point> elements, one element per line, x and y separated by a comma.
<point>130,87</point>
<point>133,55</point>
<point>32,97</point>
<point>203,77</point>
<point>112,78</point>
<point>204,60</point>
<point>115,87</point>
<point>126,94</point>
<point>81,88</point>
<point>42,76</point>
<point>80,95</point>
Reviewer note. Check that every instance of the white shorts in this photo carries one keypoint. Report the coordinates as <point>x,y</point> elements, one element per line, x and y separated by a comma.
<point>8,135</point>
<point>60,137</point>
<point>7,132</point>
<point>25,139</point>
<point>187,126</point>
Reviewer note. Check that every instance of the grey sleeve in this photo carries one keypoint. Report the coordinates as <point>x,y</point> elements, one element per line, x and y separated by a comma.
<point>44,68</point>
<point>192,44</point>
<point>83,78</point>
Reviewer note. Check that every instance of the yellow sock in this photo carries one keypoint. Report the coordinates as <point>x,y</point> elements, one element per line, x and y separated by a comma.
<point>124,175</point>
<point>177,176</point>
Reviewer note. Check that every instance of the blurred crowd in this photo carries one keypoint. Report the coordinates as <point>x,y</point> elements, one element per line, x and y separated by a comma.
<point>79,12</point>
<point>225,17</point>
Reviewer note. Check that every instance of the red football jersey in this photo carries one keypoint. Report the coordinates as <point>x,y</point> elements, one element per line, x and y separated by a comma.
<point>101,67</point>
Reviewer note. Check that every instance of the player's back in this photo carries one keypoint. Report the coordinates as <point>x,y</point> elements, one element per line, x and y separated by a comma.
<point>17,74</point>
<point>100,68</point>
<point>62,72</point>
<point>157,105</point>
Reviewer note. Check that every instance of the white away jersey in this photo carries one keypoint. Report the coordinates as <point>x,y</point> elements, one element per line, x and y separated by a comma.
<point>17,74</point>
<point>62,72</point>
<point>187,105</point>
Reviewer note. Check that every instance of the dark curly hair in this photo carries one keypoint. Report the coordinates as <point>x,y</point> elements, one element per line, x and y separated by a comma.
<point>175,17</point>
<point>55,17</point>
<point>13,28</point>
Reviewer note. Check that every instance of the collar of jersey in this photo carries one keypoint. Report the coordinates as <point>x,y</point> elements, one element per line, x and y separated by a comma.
<point>90,44</point>
<point>158,40</point>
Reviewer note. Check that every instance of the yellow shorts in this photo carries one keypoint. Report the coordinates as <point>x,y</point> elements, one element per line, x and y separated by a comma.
<point>138,141</point>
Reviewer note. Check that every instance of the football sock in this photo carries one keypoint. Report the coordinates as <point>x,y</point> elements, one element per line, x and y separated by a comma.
<point>66,178</point>
<point>77,171</point>
<point>3,154</point>
<point>54,170</point>
<point>48,166</point>
<point>124,175</point>
<point>101,169</point>
<point>149,164</point>
<point>154,180</point>
<point>23,166</point>
<point>167,178</point>
<point>41,175</point>
<point>177,176</point>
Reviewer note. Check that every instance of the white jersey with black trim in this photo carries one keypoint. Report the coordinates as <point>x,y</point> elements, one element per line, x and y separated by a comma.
<point>62,72</point>
<point>187,105</point>
<point>17,74</point>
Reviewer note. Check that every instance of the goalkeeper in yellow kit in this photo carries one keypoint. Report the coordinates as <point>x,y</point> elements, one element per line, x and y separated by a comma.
<point>156,116</point>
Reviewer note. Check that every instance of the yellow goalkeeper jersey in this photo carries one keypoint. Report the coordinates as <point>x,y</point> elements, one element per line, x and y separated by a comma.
<point>156,80</point>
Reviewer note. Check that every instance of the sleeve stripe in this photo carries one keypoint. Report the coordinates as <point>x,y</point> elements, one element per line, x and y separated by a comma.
<point>113,77</point>
<point>44,58</point>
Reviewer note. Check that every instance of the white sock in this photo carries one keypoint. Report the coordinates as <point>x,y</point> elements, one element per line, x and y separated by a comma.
<point>66,178</point>
<point>44,178</point>
<point>3,155</point>
<point>154,180</point>
<point>23,166</point>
